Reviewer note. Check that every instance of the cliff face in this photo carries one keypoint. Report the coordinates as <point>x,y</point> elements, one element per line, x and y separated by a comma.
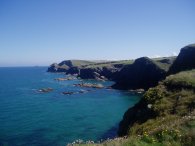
<point>89,73</point>
<point>139,113</point>
<point>143,73</point>
<point>87,69</point>
<point>173,96</point>
<point>73,70</point>
<point>185,60</point>
<point>106,72</point>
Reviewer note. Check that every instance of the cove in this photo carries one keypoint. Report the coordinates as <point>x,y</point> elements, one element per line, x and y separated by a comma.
<point>31,118</point>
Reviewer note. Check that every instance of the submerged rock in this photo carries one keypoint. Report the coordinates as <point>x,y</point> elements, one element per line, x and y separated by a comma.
<point>89,85</point>
<point>68,93</point>
<point>64,79</point>
<point>75,92</point>
<point>60,79</point>
<point>45,90</point>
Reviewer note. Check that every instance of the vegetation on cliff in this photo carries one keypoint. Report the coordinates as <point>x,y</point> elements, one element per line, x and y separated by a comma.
<point>165,116</point>
<point>163,100</point>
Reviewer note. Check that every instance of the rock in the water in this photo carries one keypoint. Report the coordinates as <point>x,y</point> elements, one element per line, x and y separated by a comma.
<point>45,90</point>
<point>75,92</point>
<point>83,91</point>
<point>65,79</point>
<point>89,85</point>
<point>67,93</point>
<point>60,79</point>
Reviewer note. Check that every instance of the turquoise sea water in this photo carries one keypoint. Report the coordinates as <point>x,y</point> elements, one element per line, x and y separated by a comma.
<point>29,118</point>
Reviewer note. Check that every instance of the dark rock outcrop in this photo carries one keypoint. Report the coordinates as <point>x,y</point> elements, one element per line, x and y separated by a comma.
<point>143,73</point>
<point>73,70</point>
<point>99,73</point>
<point>89,73</point>
<point>45,90</point>
<point>184,61</point>
<point>89,85</point>
<point>109,72</point>
<point>164,100</point>
<point>139,113</point>
<point>89,69</point>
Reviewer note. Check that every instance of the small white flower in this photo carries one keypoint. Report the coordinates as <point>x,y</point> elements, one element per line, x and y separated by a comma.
<point>149,105</point>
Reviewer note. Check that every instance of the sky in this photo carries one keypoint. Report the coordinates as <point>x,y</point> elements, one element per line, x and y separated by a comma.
<point>40,32</point>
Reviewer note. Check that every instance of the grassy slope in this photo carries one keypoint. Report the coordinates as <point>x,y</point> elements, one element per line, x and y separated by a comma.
<point>81,62</point>
<point>157,61</point>
<point>164,66</point>
<point>100,64</point>
<point>174,124</point>
<point>109,63</point>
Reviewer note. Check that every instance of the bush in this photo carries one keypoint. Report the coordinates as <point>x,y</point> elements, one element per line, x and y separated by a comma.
<point>153,94</point>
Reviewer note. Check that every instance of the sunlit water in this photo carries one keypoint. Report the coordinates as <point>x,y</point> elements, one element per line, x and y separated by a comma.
<point>30,118</point>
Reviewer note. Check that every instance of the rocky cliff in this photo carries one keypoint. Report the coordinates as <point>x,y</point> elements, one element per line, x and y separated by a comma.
<point>89,70</point>
<point>105,72</point>
<point>173,97</point>
<point>185,60</point>
<point>143,73</point>
<point>161,102</point>
<point>64,66</point>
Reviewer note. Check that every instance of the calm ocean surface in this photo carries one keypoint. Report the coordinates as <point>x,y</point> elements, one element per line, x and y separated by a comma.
<point>29,118</point>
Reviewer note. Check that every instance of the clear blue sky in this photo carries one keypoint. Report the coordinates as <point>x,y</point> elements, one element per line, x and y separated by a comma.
<point>40,32</point>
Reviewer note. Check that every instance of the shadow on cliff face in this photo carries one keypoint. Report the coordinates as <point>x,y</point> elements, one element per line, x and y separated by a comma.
<point>113,131</point>
<point>110,133</point>
<point>143,73</point>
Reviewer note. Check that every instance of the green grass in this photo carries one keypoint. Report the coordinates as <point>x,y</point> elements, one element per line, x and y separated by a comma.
<point>109,64</point>
<point>164,66</point>
<point>185,79</point>
<point>173,131</point>
<point>81,62</point>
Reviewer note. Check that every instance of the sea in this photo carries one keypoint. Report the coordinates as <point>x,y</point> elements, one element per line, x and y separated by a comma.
<point>31,118</point>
